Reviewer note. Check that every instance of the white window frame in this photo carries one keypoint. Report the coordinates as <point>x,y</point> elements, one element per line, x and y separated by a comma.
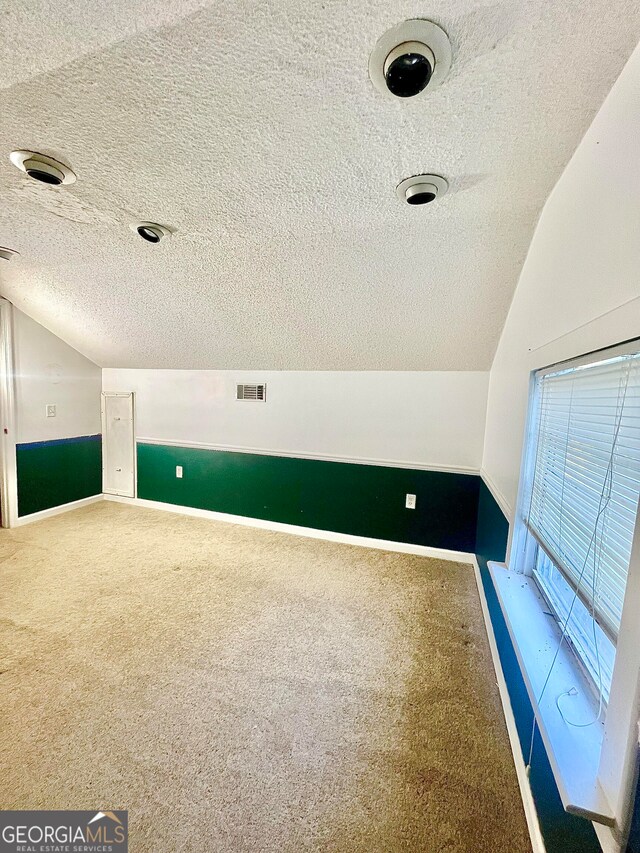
<point>615,774</point>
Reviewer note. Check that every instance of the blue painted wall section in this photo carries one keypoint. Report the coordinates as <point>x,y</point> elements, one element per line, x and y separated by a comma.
<point>562,832</point>
<point>52,473</point>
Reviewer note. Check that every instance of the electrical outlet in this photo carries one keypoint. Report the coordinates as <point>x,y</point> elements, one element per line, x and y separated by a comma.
<point>179,471</point>
<point>410,502</point>
<point>51,410</point>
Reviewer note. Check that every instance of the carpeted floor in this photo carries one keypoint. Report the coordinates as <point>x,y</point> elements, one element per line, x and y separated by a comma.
<point>241,690</point>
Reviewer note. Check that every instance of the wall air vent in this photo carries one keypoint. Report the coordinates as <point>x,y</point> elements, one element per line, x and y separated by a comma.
<point>257,393</point>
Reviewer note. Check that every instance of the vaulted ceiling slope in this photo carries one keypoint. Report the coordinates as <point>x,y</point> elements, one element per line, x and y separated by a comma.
<point>253,130</point>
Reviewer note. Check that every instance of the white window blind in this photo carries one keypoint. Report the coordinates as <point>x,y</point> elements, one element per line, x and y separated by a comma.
<point>584,479</point>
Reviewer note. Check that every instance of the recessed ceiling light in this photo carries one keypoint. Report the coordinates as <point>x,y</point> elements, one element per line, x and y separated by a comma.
<point>421,189</point>
<point>410,59</point>
<point>7,254</point>
<point>41,168</point>
<point>150,231</point>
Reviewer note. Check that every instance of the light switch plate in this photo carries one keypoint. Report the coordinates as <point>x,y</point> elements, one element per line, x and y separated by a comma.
<point>51,410</point>
<point>410,502</point>
<point>179,471</point>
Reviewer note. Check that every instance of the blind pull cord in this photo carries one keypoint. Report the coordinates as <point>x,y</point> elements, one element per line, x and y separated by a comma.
<point>605,497</point>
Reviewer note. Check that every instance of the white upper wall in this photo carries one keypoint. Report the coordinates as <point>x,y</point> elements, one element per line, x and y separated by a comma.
<point>431,419</point>
<point>50,371</point>
<point>580,285</point>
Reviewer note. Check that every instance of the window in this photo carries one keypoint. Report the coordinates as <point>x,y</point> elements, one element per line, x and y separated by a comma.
<point>593,648</point>
<point>581,498</point>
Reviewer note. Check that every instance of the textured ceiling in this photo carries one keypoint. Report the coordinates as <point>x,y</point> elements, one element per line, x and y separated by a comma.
<point>253,130</point>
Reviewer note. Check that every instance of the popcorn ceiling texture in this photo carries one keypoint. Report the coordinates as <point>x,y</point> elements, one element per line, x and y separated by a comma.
<point>253,130</point>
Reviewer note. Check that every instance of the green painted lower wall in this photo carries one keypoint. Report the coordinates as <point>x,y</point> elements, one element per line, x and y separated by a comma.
<point>52,473</point>
<point>363,500</point>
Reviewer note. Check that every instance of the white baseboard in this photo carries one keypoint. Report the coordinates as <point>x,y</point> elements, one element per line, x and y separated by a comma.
<point>531,815</point>
<point>296,530</point>
<point>56,510</point>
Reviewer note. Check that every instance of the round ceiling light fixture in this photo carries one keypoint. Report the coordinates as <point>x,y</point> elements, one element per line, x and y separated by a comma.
<point>7,254</point>
<point>410,59</point>
<point>41,168</point>
<point>422,189</point>
<point>150,231</point>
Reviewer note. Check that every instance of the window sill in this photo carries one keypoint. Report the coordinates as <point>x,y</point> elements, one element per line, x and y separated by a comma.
<point>574,753</point>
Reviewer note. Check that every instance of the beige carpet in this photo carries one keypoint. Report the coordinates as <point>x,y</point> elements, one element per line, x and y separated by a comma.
<point>242,690</point>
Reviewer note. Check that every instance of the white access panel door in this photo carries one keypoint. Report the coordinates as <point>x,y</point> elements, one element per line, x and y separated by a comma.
<point>118,445</point>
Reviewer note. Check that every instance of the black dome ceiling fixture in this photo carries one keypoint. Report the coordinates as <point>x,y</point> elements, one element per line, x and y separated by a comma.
<point>152,232</point>
<point>410,59</point>
<point>42,168</point>
<point>408,69</point>
<point>422,189</point>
